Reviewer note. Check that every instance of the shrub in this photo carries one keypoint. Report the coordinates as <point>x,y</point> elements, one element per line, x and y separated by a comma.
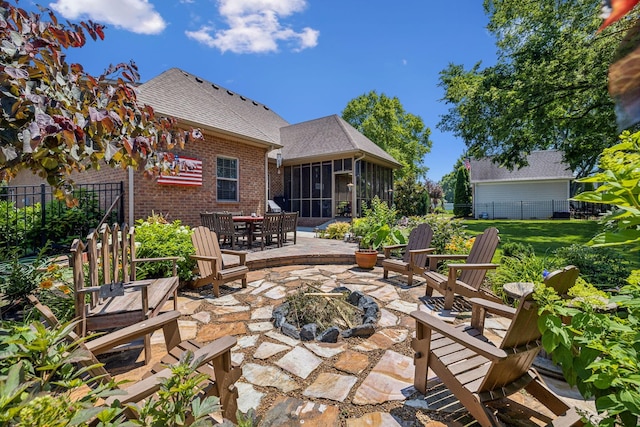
<point>445,230</point>
<point>16,224</point>
<point>515,249</point>
<point>377,227</point>
<point>522,268</point>
<point>63,224</point>
<point>600,266</point>
<point>597,350</point>
<point>23,277</point>
<point>156,238</point>
<point>336,230</point>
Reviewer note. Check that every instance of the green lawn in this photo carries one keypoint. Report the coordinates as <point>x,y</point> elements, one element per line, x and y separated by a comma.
<point>546,235</point>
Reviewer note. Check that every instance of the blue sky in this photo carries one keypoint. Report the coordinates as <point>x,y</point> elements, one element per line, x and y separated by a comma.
<point>305,59</point>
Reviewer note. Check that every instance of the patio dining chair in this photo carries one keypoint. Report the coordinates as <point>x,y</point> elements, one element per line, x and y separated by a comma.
<point>227,228</point>
<point>270,230</point>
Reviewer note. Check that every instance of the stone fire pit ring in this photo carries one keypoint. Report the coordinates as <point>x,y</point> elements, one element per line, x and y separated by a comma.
<point>309,332</point>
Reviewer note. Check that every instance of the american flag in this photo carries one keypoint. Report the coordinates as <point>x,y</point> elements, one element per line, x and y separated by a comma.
<point>467,164</point>
<point>183,171</point>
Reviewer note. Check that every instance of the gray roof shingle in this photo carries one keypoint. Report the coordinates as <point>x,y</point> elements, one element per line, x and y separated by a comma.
<point>326,136</point>
<point>179,94</point>
<point>543,165</point>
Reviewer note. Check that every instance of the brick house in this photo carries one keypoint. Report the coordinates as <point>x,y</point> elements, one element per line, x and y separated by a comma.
<point>249,155</point>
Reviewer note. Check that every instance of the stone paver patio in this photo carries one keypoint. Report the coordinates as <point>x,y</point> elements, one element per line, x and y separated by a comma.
<point>355,382</point>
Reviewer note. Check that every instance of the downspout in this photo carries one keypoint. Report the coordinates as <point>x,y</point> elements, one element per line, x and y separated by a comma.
<point>354,211</point>
<point>266,182</point>
<point>131,204</point>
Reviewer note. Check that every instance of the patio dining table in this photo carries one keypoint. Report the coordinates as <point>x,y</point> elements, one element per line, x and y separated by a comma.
<point>251,222</point>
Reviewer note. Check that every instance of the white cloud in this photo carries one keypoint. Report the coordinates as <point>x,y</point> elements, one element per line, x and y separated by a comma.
<point>255,27</point>
<point>137,16</point>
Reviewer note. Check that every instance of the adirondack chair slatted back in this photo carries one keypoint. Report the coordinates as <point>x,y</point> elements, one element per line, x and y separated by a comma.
<point>205,242</point>
<point>107,253</point>
<point>419,238</point>
<point>482,251</point>
<point>522,338</point>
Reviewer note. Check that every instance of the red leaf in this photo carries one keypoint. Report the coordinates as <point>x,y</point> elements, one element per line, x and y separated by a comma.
<point>613,10</point>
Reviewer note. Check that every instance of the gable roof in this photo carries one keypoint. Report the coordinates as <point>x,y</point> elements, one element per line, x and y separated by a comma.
<point>543,165</point>
<point>329,135</point>
<point>194,100</point>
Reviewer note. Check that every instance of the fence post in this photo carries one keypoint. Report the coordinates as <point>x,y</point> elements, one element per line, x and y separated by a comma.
<point>521,212</point>
<point>121,208</point>
<point>43,213</point>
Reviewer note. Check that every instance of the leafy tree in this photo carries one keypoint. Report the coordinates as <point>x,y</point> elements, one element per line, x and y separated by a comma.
<point>435,193</point>
<point>410,198</point>
<point>56,118</point>
<point>619,186</point>
<point>448,181</point>
<point>462,196</point>
<point>401,134</point>
<point>548,88</point>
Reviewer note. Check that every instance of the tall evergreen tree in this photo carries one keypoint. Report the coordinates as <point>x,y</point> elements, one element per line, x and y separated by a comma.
<point>462,196</point>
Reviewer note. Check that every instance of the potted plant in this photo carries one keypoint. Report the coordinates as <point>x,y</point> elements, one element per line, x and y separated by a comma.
<point>371,237</point>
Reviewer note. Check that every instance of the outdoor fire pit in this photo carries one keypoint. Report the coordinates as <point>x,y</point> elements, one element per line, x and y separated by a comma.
<point>325,316</point>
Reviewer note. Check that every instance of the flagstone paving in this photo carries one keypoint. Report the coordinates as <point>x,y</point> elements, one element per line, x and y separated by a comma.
<point>365,381</point>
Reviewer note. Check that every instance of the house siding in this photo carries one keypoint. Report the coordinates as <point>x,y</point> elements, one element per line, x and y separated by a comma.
<point>520,200</point>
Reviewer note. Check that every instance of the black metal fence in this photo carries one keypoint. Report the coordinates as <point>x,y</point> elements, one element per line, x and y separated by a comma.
<point>546,209</point>
<point>31,217</point>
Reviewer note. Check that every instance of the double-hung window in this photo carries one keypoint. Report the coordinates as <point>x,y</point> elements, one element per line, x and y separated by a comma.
<point>227,179</point>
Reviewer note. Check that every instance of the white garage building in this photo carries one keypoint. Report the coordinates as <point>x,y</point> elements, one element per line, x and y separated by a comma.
<point>538,191</point>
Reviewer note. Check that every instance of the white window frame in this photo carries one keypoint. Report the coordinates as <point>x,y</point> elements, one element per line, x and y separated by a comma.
<point>223,178</point>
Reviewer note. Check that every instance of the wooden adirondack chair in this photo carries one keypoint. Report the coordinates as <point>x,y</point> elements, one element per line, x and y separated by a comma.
<point>414,259</point>
<point>115,297</point>
<point>213,359</point>
<point>211,265</point>
<point>472,272</point>
<point>476,371</point>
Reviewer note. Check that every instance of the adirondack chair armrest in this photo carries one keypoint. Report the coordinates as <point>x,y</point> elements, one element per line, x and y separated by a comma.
<point>204,258</point>
<point>413,253</point>
<point>442,257</point>
<point>421,251</point>
<point>436,258</point>
<point>487,266</point>
<point>212,259</point>
<point>167,321</point>
<point>146,387</point>
<point>388,249</point>
<point>240,254</point>
<point>478,346</point>
<point>136,284</point>
<point>493,307</point>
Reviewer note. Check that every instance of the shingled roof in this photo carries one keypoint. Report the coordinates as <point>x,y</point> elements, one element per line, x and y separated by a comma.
<point>329,136</point>
<point>543,165</point>
<point>194,100</point>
